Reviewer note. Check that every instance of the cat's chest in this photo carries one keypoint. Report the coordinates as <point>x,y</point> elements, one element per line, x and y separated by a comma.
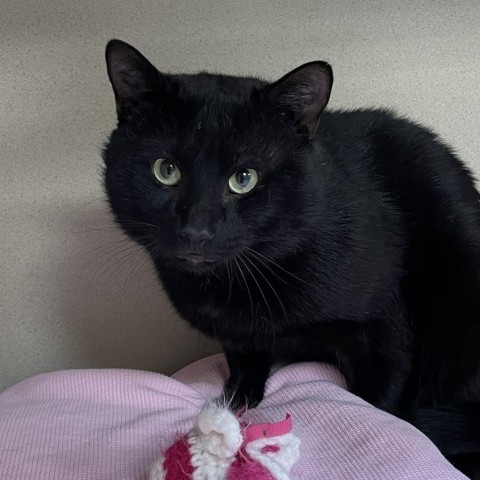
<point>240,320</point>
<point>231,310</point>
<point>262,310</point>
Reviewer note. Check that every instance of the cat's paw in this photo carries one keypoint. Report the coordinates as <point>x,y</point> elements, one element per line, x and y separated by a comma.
<point>240,396</point>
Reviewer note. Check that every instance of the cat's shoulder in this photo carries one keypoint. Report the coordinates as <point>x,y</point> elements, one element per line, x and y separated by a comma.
<point>371,120</point>
<point>369,126</point>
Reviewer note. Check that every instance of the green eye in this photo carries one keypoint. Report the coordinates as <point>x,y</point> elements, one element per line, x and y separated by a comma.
<point>243,181</point>
<point>166,172</point>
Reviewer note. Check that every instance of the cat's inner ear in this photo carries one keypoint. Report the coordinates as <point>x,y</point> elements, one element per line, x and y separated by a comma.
<point>304,92</point>
<point>130,73</point>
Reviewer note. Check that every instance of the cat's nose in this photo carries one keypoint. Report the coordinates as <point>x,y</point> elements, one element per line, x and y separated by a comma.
<point>195,235</point>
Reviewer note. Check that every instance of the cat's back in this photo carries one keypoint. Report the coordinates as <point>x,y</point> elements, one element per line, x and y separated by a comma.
<point>421,182</point>
<point>406,159</point>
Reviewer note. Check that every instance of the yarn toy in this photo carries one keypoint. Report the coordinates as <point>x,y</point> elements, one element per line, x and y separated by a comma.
<point>221,447</point>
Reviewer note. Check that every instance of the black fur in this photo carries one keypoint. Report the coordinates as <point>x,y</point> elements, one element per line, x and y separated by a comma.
<point>359,246</point>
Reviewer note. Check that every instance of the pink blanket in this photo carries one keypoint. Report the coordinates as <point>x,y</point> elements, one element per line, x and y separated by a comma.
<point>112,424</point>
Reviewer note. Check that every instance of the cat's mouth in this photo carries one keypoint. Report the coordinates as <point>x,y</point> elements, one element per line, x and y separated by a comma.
<point>196,260</point>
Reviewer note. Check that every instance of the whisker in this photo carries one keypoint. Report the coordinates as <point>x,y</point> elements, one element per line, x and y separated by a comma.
<point>135,223</point>
<point>103,198</point>
<point>269,284</point>
<point>108,248</point>
<point>107,245</point>
<point>263,263</point>
<point>258,285</point>
<point>120,263</point>
<point>114,256</point>
<point>103,228</point>
<point>108,251</point>
<point>138,267</point>
<point>246,284</point>
<point>229,281</point>
<point>281,268</point>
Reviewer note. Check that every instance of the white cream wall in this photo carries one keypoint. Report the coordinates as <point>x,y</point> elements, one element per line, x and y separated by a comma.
<point>64,304</point>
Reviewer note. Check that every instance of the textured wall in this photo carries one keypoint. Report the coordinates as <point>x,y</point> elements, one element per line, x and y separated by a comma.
<point>69,296</point>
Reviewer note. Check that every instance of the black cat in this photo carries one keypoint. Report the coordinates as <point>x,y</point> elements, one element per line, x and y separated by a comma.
<point>293,234</point>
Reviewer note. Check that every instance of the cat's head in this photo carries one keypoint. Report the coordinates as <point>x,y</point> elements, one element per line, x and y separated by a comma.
<point>203,167</point>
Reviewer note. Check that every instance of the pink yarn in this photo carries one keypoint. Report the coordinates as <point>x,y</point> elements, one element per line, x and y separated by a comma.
<point>262,430</point>
<point>177,463</point>
<point>178,466</point>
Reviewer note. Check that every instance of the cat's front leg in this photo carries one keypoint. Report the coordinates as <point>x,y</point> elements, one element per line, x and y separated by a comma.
<point>248,374</point>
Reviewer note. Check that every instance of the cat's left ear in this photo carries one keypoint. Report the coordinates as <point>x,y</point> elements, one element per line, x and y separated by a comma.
<point>304,92</point>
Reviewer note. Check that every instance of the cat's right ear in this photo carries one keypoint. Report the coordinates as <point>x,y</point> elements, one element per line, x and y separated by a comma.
<point>131,75</point>
<point>303,94</point>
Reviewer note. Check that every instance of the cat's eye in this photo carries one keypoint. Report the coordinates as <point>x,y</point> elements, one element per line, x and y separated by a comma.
<point>166,172</point>
<point>243,181</point>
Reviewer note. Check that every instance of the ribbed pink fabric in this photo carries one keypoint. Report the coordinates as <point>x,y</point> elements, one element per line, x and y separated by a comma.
<point>112,424</point>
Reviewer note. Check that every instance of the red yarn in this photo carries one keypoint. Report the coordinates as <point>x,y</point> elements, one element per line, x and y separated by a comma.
<point>244,468</point>
<point>177,461</point>
<point>270,449</point>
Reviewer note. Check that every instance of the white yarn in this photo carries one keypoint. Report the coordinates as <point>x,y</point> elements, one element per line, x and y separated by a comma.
<point>214,443</point>
<point>157,472</point>
<point>220,430</point>
<point>278,463</point>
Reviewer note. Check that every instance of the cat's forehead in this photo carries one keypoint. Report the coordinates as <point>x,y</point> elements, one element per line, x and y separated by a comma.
<point>220,120</point>
<point>228,132</point>
<point>216,141</point>
<point>223,126</point>
<point>219,102</point>
<point>219,87</point>
<point>222,117</point>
